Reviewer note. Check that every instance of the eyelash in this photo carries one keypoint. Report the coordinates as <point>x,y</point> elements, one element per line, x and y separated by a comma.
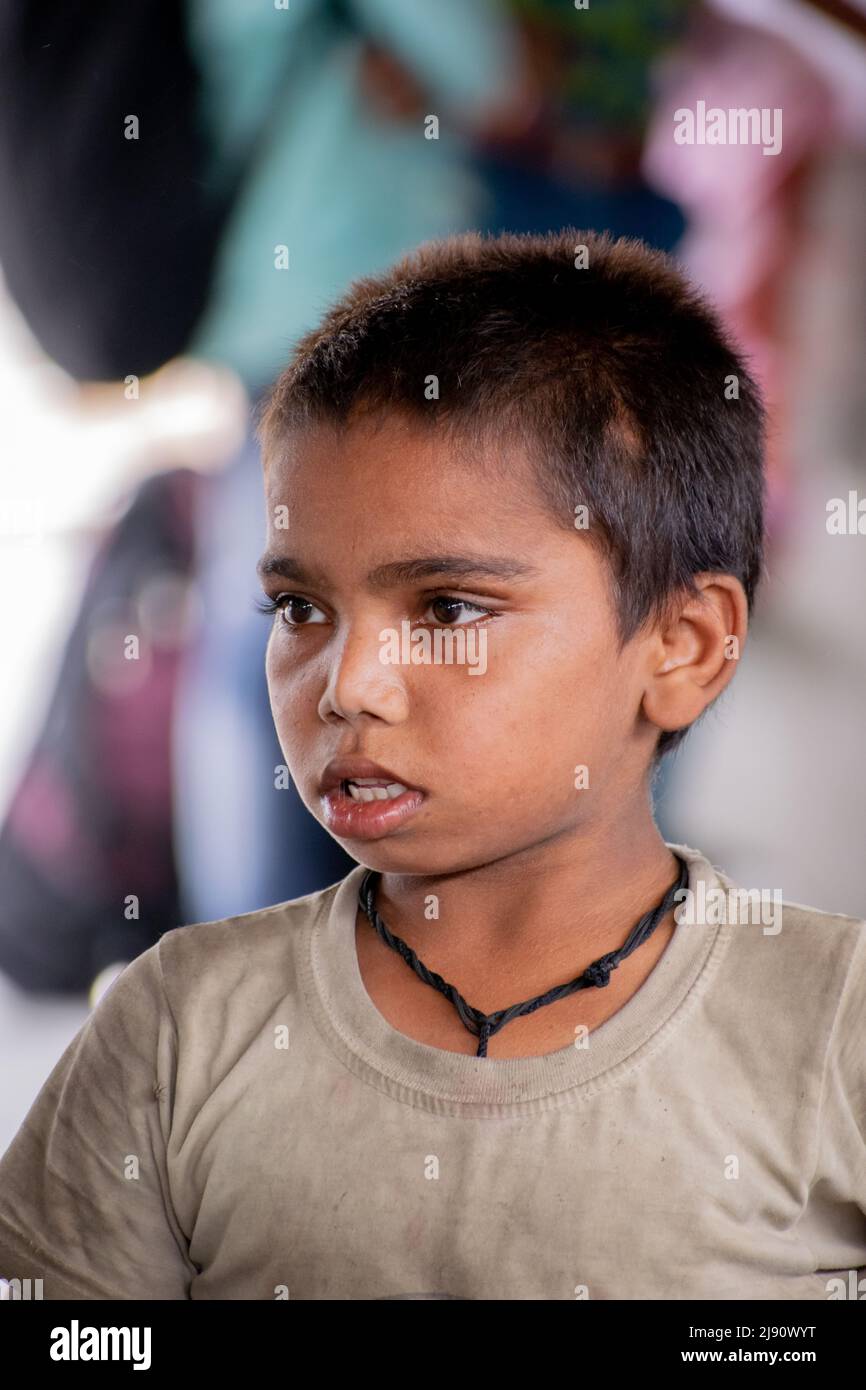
<point>270,607</point>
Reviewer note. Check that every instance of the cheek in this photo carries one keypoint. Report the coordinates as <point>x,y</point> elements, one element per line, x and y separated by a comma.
<point>285,688</point>
<point>570,698</point>
<point>273,665</point>
<point>522,725</point>
<point>275,678</point>
<point>571,677</point>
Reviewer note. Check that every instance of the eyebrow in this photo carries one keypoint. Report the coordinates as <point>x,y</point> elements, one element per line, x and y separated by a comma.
<point>397,572</point>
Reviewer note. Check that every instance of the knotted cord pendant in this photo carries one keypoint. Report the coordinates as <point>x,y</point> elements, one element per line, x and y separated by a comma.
<point>485,1025</point>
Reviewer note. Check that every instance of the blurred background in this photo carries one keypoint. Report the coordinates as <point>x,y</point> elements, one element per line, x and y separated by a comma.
<point>186,186</point>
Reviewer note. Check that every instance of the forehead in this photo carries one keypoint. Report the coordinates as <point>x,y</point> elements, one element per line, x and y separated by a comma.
<point>376,504</point>
<point>389,469</point>
<point>388,503</point>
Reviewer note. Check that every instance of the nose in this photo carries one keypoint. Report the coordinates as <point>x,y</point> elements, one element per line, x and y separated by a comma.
<point>360,682</point>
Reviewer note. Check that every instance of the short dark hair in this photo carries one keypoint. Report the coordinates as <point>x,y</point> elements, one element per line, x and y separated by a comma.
<point>598,357</point>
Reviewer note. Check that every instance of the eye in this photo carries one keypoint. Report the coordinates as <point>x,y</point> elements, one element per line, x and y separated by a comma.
<point>449,603</point>
<point>295,606</point>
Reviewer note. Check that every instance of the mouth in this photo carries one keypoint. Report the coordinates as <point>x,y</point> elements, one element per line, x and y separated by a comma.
<point>372,789</point>
<point>369,803</point>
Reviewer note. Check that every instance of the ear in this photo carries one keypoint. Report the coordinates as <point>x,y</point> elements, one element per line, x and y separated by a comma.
<point>695,651</point>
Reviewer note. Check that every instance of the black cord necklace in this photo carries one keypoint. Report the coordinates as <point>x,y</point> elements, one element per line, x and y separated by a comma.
<point>484,1025</point>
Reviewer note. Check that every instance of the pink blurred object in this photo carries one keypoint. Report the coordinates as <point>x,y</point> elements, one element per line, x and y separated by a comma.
<point>730,192</point>
<point>742,200</point>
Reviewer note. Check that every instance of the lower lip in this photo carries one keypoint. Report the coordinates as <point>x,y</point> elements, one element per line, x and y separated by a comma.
<point>367,820</point>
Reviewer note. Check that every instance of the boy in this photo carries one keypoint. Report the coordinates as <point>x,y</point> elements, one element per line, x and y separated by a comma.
<point>546,442</point>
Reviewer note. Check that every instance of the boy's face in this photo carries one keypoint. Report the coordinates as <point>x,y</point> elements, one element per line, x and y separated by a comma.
<point>494,750</point>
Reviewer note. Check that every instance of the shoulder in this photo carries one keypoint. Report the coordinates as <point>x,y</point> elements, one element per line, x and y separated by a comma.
<point>830,938</point>
<point>253,951</point>
<point>799,970</point>
<point>818,947</point>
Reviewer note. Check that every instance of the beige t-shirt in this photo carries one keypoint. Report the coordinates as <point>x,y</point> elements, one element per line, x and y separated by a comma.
<point>236,1120</point>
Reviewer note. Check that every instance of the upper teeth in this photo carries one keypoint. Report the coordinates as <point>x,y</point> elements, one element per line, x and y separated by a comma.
<point>374,789</point>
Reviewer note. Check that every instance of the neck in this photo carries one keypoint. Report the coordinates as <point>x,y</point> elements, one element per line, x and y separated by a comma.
<point>550,909</point>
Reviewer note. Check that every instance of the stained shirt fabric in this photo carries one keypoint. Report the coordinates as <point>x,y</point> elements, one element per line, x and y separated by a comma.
<point>237,1120</point>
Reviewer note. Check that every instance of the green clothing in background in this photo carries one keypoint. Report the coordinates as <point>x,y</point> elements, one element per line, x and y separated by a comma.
<point>343,189</point>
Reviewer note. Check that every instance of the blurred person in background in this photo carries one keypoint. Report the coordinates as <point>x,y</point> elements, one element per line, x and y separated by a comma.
<point>107,239</point>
